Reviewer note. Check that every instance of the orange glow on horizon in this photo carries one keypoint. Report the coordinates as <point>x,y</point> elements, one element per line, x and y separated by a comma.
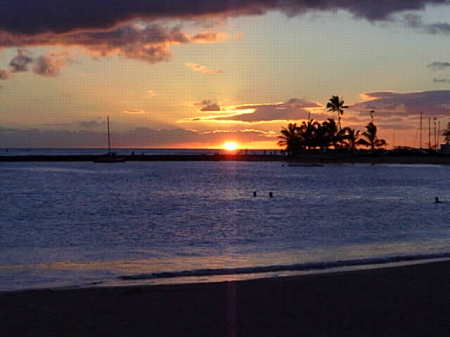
<point>230,146</point>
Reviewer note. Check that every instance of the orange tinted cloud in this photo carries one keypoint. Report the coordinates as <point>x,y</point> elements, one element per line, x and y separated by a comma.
<point>149,43</point>
<point>203,69</point>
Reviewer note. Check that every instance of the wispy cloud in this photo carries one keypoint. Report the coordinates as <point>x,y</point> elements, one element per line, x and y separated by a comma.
<point>441,80</point>
<point>203,69</point>
<point>415,21</point>
<point>20,62</point>
<point>46,65</point>
<point>439,65</point>
<point>150,43</point>
<point>293,109</point>
<point>390,104</point>
<point>50,64</point>
<point>5,74</point>
<point>208,105</point>
<point>10,137</point>
<point>134,112</point>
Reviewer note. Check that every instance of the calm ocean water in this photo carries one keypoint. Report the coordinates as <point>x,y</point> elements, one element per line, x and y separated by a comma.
<point>82,224</point>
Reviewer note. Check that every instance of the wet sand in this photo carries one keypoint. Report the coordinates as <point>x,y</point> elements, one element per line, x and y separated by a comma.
<point>400,301</point>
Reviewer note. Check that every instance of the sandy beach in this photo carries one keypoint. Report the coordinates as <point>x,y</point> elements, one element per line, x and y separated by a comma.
<point>401,301</point>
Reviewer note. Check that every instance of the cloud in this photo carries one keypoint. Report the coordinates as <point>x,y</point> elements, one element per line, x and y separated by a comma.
<point>132,138</point>
<point>46,65</point>
<point>86,124</point>
<point>105,27</point>
<point>134,112</point>
<point>149,43</point>
<point>20,62</point>
<point>439,65</point>
<point>293,109</point>
<point>5,74</point>
<point>36,17</point>
<point>431,103</point>
<point>441,80</point>
<point>415,21</point>
<point>50,64</point>
<point>208,105</point>
<point>209,37</point>
<point>91,124</point>
<point>203,69</point>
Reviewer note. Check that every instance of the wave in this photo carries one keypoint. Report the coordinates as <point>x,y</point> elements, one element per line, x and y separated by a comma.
<point>310,266</point>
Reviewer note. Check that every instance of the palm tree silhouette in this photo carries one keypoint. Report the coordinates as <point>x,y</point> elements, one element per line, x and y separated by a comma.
<point>446,134</point>
<point>335,104</point>
<point>291,139</point>
<point>370,138</point>
<point>331,132</point>
<point>350,138</point>
<point>308,133</point>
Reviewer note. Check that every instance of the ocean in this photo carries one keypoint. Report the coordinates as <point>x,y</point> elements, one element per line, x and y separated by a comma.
<point>81,224</point>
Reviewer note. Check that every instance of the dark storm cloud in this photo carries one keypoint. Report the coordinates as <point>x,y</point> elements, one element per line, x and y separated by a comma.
<point>61,16</point>
<point>432,103</point>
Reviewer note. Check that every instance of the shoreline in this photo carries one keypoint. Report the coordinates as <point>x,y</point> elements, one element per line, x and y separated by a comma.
<point>411,300</point>
<point>345,158</point>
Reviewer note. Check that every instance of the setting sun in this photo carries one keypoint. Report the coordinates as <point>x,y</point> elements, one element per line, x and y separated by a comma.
<point>230,146</point>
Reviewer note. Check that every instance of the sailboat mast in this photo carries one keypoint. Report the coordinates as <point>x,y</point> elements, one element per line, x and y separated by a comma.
<point>109,135</point>
<point>420,132</point>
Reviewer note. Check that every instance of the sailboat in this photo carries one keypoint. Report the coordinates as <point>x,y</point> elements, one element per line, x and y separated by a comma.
<point>109,157</point>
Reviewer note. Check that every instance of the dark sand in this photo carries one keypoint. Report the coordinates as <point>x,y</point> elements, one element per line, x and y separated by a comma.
<point>400,301</point>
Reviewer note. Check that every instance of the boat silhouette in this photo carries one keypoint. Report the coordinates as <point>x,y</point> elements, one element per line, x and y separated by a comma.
<point>109,157</point>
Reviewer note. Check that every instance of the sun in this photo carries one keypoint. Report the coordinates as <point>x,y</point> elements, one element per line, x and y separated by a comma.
<point>230,146</point>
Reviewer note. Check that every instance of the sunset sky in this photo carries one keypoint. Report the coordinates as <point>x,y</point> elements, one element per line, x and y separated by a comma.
<point>198,73</point>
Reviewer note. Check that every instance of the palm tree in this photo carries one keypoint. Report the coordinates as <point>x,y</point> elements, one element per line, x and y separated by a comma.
<point>335,104</point>
<point>291,139</point>
<point>370,138</point>
<point>308,133</point>
<point>350,138</point>
<point>446,134</point>
<point>331,132</point>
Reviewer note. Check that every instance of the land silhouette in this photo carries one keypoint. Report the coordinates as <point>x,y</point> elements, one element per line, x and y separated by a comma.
<point>312,135</point>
